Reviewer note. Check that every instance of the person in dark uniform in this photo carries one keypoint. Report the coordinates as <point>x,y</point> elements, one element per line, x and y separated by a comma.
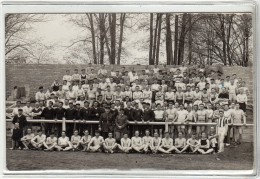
<point>59,114</point>
<point>95,115</point>
<point>83,76</point>
<point>77,117</point>
<point>17,134</point>
<point>120,125</point>
<point>48,113</point>
<point>21,120</point>
<point>85,115</point>
<point>128,111</point>
<point>148,116</point>
<point>204,147</point>
<point>106,122</point>
<point>136,116</point>
<point>70,114</point>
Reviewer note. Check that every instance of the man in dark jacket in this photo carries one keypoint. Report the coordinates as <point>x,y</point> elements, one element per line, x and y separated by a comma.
<point>48,113</point>
<point>136,116</point>
<point>59,114</point>
<point>21,119</point>
<point>106,122</point>
<point>95,114</point>
<point>85,115</point>
<point>70,114</point>
<point>148,116</point>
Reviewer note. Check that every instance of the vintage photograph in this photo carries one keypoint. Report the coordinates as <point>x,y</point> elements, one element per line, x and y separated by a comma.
<point>158,91</point>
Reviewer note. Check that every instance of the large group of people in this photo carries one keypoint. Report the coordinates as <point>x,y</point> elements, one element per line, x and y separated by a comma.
<point>173,96</point>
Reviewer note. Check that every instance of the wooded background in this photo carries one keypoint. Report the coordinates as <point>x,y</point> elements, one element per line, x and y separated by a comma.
<point>160,38</point>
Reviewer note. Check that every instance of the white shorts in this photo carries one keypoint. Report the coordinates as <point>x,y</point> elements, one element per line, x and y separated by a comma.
<point>222,131</point>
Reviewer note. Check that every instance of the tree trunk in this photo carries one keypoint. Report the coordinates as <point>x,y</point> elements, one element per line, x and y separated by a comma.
<point>182,39</point>
<point>176,40</point>
<point>102,37</point>
<point>230,23</point>
<point>113,37</point>
<point>190,39</point>
<point>223,38</point>
<point>158,39</point>
<point>155,37</point>
<point>151,40</point>
<point>122,21</point>
<point>90,18</point>
<point>168,41</point>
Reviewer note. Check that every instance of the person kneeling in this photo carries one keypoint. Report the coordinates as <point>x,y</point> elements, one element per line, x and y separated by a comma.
<point>204,147</point>
<point>63,143</point>
<point>110,144</point>
<point>50,142</point>
<point>37,141</point>
<point>125,144</point>
<point>96,143</point>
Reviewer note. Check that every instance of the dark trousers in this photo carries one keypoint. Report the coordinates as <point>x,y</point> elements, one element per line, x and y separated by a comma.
<point>242,106</point>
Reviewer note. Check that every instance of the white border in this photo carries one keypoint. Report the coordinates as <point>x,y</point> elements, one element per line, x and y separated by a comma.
<point>134,7</point>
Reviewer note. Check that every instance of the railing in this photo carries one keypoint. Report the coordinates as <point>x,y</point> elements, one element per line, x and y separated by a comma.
<point>64,121</point>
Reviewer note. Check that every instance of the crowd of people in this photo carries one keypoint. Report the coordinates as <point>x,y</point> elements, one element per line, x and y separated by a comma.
<point>173,96</point>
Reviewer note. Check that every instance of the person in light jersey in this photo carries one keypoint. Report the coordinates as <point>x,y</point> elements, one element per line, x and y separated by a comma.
<point>91,95</point>
<point>110,144</point>
<point>71,95</point>
<point>181,117</point>
<point>197,97</point>
<point>125,145</point>
<point>159,117</point>
<point>147,95</point>
<point>147,141</point>
<point>167,144</point>
<point>202,84</point>
<point>40,96</point>
<point>159,96</point>
<point>210,112</point>
<point>96,143</point>
<point>26,140</point>
<point>75,140</point>
<point>238,118</point>
<point>164,86</point>
<point>37,141</point>
<point>80,91</point>
<point>205,96</point>
<point>180,143</point>
<point>170,95</point>
<point>179,96</point>
<point>228,113</point>
<point>191,117</point>
<point>113,85</point>
<point>193,143</point>
<point>103,84</point>
<point>213,139</point>
<point>188,96</point>
<point>232,89</point>
<point>50,142</point>
<point>118,94</point>
<point>242,100</point>
<point>108,96</point>
<point>201,117</point>
<point>137,95</point>
<point>137,143</point>
<point>84,141</point>
<point>156,143</point>
<point>127,92</point>
<point>213,96</point>
<point>170,117</point>
<point>64,143</point>
<point>67,77</point>
<point>65,87</point>
<point>60,93</point>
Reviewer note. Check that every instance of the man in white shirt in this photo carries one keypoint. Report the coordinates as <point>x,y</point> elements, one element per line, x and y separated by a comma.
<point>181,117</point>
<point>64,143</point>
<point>67,77</point>
<point>27,110</point>
<point>242,100</point>
<point>125,144</point>
<point>96,143</point>
<point>37,141</point>
<point>40,96</point>
<point>50,142</point>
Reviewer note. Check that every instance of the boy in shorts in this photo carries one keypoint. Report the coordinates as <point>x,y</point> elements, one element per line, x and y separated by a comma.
<point>110,144</point>
<point>193,143</point>
<point>204,145</point>
<point>167,144</point>
<point>147,141</point>
<point>38,140</point>
<point>180,143</point>
<point>156,142</point>
<point>63,143</point>
<point>75,140</point>
<point>137,143</point>
<point>50,142</point>
<point>26,140</point>
<point>125,144</point>
<point>84,141</point>
<point>96,143</point>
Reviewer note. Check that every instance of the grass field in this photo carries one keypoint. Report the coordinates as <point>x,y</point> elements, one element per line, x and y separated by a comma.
<point>234,158</point>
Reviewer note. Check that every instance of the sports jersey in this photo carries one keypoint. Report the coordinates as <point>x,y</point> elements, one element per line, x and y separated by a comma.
<point>201,115</point>
<point>28,136</point>
<point>75,139</point>
<point>192,141</point>
<point>91,94</point>
<point>147,94</point>
<point>159,114</point>
<point>137,95</point>
<point>147,140</point>
<point>242,98</point>
<point>39,139</point>
<point>209,113</point>
<point>125,142</point>
<point>182,114</point>
<point>238,116</point>
<point>97,141</point>
<point>136,141</point>
<point>85,139</point>
<point>110,142</point>
<point>50,140</point>
<point>180,142</point>
<point>63,141</point>
<point>167,142</point>
<point>171,113</point>
<point>156,141</point>
<point>170,96</point>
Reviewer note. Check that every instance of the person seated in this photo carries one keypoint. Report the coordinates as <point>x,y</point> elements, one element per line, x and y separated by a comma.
<point>125,144</point>
<point>180,143</point>
<point>156,143</point>
<point>75,140</point>
<point>38,140</point>
<point>85,140</point>
<point>64,143</point>
<point>137,143</point>
<point>96,143</point>
<point>50,142</point>
<point>147,141</point>
<point>193,143</point>
<point>204,144</point>
<point>26,140</point>
<point>167,144</point>
<point>110,144</point>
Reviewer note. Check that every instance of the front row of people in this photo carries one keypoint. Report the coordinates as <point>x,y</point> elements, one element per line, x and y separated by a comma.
<point>146,144</point>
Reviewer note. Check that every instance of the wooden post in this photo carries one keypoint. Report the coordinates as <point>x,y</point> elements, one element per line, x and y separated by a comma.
<point>63,124</point>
